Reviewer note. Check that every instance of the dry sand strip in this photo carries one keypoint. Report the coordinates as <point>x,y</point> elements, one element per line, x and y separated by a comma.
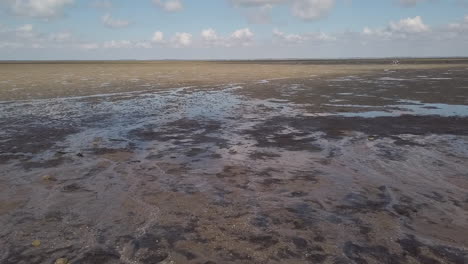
<point>19,81</point>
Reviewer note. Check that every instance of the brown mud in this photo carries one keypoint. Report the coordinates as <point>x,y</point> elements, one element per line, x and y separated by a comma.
<point>330,164</point>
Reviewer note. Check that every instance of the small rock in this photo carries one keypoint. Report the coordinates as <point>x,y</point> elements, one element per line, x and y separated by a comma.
<point>61,261</point>
<point>80,155</point>
<point>36,243</point>
<point>48,178</point>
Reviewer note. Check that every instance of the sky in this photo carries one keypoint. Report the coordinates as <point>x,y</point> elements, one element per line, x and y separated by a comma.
<point>231,29</point>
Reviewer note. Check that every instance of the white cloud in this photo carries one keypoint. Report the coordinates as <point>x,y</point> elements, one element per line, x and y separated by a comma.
<point>9,45</point>
<point>308,10</point>
<point>37,8</point>
<point>26,36</point>
<point>21,36</point>
<point>404,28</point>
<point>143,44</point>
<point>25,28</point>
<point>169,5</point>
<point>26,31</point>
<point>409,25</point>
<point>288,38</point>
<point>117,44</point>
<point>240,37</point>
<point>296,39</point>
<point>312,9</point>
<point>61,37</point>
<point>382,33</point>
<point>324,37</point>
<point>88,46</point>
<point>367,31</point>
<point>257,11</point>
<point>158,37</point>
<point>460,27</point>
<point>182,40</point>
<point>111,22</point>
<point>210,37</point>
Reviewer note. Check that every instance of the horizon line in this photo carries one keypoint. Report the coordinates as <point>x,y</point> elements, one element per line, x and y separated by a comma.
<point>253,59</point>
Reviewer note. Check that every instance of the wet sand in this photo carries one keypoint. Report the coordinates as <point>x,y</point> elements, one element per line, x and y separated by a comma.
<point>234,162</point>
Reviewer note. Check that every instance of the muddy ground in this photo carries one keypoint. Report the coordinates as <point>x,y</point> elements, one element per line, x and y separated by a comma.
<point>235,162</point>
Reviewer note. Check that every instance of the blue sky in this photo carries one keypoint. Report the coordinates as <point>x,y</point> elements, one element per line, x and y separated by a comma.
<point>231,29</point>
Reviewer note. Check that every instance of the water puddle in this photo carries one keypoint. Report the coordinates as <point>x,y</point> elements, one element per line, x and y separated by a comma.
<point>346,79</point>
<point>410,107</point>
<point>391,79</point>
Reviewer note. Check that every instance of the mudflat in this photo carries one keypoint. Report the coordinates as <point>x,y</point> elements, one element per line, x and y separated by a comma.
<point>340,161</point>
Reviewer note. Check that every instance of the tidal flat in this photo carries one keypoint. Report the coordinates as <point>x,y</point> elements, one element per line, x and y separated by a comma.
<point>323,161</point>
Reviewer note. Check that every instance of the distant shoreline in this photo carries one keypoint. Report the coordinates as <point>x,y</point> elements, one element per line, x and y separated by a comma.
<point>405,60</point>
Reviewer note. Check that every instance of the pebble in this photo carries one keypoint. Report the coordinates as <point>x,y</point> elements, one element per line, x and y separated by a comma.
<point>36,243</point>
<point>61,261</point>
<point>48,178</point>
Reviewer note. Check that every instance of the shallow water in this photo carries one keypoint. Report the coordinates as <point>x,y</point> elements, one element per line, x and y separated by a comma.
<point>410,107</point>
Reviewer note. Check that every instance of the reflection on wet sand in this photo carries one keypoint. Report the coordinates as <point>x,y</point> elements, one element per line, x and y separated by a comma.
<point>268,171</point>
